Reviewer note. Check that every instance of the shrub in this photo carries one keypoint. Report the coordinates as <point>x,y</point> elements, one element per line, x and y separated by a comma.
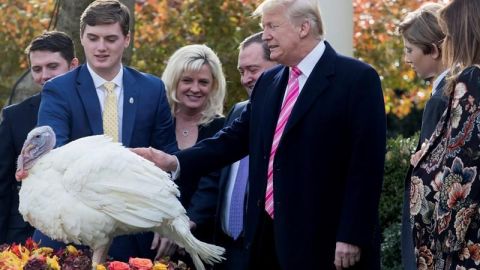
<point>397,162</point>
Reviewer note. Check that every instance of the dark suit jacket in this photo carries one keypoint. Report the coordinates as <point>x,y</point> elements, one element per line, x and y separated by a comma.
<point>328,168</point>
<point>435,107</point>
<point>208,202</point>
<point>18,120</point>
<point>71,107</point>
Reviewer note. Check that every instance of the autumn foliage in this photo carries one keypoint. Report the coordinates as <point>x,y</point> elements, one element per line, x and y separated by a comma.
<point>376,41</point>
<point>164,26</point>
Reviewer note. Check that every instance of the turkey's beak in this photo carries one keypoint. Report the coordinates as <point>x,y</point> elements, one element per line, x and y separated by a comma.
<point>26,150</point>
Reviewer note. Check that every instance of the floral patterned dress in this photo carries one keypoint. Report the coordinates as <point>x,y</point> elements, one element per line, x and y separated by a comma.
<point>445,185</point>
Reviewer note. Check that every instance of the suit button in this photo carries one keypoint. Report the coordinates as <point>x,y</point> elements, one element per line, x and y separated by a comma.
<point>258,203</point>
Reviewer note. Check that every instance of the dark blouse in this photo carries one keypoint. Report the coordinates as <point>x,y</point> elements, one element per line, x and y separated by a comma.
<point>189,186</point>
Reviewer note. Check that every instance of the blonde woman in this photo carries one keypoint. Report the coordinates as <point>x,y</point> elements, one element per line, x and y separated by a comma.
<point>195,86</point>
<point>196,90</point>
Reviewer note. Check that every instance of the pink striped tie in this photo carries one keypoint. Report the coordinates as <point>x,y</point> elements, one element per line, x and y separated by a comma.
<point>293,90</point>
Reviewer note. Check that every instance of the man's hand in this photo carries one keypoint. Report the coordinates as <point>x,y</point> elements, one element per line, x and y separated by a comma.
<point>346,255</point>
<point>163,160</point>
<point>164,246</point>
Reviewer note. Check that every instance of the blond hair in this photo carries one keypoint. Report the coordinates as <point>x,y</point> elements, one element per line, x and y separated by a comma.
<point>297,12</point>
<point>422,29</point>
<point>192,58</point>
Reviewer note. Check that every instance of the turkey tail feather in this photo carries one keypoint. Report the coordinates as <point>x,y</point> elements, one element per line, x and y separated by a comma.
<point>198,250</point>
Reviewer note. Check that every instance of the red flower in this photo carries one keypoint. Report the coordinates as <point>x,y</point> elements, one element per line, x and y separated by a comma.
<point>140,263</point>
<point>30,244</point>
<point>16,249</point>
<point>116,265</point>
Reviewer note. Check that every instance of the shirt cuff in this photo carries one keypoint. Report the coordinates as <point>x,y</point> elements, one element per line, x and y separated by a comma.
<point>176,173</point>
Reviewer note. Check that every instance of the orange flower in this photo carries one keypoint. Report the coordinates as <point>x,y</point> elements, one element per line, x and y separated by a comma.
<point>140,264</point>
<point>116,265</point>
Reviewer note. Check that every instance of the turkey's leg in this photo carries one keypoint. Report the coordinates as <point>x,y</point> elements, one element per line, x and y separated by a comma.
<point>100,254</point>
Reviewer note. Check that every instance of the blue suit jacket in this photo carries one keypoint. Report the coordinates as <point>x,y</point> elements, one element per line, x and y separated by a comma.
<point>17,121</point>
<point>71,107</point>
<point>328,168</point>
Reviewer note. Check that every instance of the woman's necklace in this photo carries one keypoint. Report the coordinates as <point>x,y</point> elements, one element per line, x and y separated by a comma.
<point>185,132</point>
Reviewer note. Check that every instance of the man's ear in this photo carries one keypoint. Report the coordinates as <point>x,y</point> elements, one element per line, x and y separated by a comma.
<point>435,53</point>
<point>127,40</point>
<point>305,28</point>
<point>74,63</point>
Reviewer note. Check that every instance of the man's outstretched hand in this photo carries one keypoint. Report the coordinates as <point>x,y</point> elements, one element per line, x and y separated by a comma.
<point>161,159</point>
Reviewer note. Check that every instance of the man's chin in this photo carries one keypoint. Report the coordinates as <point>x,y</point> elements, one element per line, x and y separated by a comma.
<point>249,90</point>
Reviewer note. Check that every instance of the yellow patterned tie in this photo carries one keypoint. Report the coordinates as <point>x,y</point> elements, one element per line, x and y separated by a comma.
<point>110,115</point>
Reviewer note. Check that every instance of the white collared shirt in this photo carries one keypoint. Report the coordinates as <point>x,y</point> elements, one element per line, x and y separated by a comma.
<point>308,63</point>
<point>101,93</point>
<point>437,81</point>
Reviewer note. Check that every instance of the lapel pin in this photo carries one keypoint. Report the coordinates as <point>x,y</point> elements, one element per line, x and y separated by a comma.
<point>130,100</point>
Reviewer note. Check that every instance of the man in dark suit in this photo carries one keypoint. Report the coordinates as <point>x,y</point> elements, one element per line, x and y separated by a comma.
<point>49,55</point>
<point>81,102</point>
<point>316,150</point>
<point>214,195</point>
<point>422,37</point>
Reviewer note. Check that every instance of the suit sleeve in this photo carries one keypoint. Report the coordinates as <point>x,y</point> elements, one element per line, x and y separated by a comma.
<point>163,136</point>
<point>228,145</point>
<point>55,112</point>
<point>367,126</point>
<point>7,172</point>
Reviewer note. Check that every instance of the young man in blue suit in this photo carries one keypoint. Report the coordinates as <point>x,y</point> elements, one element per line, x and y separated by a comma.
<point>49,54</point>
<point>253,60</point>
<point>316,163</point>
<point>75,105</point>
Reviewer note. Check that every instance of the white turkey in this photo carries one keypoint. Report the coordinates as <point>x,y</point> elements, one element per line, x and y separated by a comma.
<point>92,189</point>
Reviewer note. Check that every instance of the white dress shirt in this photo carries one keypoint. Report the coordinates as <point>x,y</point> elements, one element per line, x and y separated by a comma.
<point>101,93</point>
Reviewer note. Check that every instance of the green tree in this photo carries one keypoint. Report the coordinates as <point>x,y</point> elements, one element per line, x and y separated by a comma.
<point>22,20</point>
<point>376,41</point>
<point>165,26</point>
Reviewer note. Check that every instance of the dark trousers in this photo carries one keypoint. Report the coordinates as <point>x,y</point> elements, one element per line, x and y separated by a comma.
<point>264,255</point>
<point>236,256</point>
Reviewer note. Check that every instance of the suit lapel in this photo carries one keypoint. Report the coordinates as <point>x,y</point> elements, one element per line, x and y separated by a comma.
<point>316,83</point>
<point>130,101</point>
<point>87,92</point>
<point>271,106</point>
